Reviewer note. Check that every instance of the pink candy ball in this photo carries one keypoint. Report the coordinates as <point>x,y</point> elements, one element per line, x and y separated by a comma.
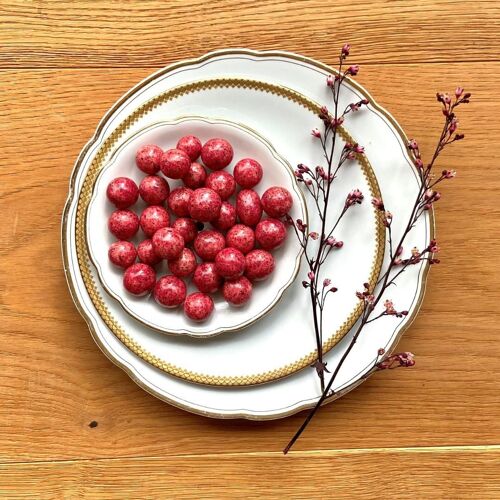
<point>208,244</point>
<point>184,265</point>
<point>147,254</point>
<point>168,243</point>
<point>122,192</point>
<point>186,228</point>
<point>217,154</point>
<point>154,190</point>
<point>170,291</point>
<point>148,158</point>
<point>122,253</point>
<point>270,233</point>
<point>206,278</point>
<point>178,201</point>
<point>191,145</point>
<point>230,263</point>
<point>241,237</point>
<point>204,204</point>
<point>198,306</point>
<point>259,264</point>
<point>227,217</point>
<point>139,279</point>
<point>222,183</point>
<point>277,201</point>
<point>248,173</point>
<point>175,163</point>
<point>248,207</point>
<point>123,224</point>
<point>154,218</point>
<point>238,291</point>
<point>195,177</point>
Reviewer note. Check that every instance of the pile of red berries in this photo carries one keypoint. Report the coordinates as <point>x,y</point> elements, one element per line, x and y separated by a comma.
<point>229,258</point>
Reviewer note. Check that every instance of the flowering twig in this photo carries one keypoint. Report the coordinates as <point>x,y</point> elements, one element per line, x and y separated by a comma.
<point>424,201</point>
<point>318,182</point>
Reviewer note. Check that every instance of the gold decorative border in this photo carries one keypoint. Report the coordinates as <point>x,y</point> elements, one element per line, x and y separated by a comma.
<point>84,262</point>
<point>279,294</point>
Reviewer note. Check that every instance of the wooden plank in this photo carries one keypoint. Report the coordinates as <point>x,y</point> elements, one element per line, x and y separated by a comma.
<point>54,381</point>
<point>435,473</point>
<point>69,33</point>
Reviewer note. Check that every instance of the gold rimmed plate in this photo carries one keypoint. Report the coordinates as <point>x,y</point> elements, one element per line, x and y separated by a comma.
<point>384,142</point>
<point>246,143</point>
<point>281,343</point>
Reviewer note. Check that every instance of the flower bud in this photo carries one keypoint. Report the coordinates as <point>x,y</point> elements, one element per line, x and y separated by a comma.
<point>345,49</point>
<point>330,80</point>
<point>316,133</point>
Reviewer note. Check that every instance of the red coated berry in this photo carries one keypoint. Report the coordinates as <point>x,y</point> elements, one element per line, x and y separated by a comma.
<point>139,279</point>
<point>178,201</point>
<point>186,228</point>
<point>217,154</point>
<point>123,224</point>
<point>241,237</point>
<point>230,263</point>
<point>270,233</point>
<point>222,183</point>
<point>154,218</point>
<point>238,291</point>
<point>184,265</point>
<point>204,204</point>
<point>227,217</point>
<point>277,201</point>
<point>168,243</point>
<point>154,190</point>
<point>259,264</point>
<point>170,291</point>
<point>248,173</point>
<point>208,244</point>
<point>195,177</point>
<point>198,306</point>
<point>248,207</point>
<point>206,278</point>
<point>175,163</point>
<point>191,145</point>
<point>122,192</point>
<point>122,253</point>
<point>147,254</point>
<point>148,158</point>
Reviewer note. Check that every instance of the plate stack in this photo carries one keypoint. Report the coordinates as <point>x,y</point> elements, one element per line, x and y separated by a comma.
<point>254,361</point>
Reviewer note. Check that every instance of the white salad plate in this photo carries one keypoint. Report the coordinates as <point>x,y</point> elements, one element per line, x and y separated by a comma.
<point>270,92</point>
<point>246,143</point>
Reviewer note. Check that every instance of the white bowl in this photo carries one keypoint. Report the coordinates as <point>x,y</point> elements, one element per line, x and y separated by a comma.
<point>225,318</point>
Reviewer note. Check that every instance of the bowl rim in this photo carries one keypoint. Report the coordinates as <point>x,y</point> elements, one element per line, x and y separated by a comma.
<point>211,121</point>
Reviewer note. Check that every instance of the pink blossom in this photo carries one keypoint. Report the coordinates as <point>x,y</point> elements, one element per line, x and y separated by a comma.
<point>310,275</point>
<point>353,70</point>
<point>330,80</point>
<point>326,282</point>
<point>345,49</point>
<point>313,235</point>
<point>378,203</point>
<point>458,92</point>
<point>316,133</point>
<point>402,359</point>
<point>449,174</point>
<point>354,197</point>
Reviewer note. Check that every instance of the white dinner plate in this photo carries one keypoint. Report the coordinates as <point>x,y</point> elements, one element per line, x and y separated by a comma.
<point>246,144</point>
<point>384,142</point>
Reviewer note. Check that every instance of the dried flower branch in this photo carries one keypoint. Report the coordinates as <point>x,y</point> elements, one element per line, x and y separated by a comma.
<point>318,183</point>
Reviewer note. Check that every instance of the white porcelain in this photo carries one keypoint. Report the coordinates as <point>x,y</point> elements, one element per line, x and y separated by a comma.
<point>246,144</point>
<point>384,143</point>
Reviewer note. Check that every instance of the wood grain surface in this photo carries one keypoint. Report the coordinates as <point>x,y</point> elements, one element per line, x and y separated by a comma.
<point>429,432</point>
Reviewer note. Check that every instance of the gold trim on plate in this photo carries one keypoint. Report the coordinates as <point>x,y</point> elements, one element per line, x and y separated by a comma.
<point>100,159</point>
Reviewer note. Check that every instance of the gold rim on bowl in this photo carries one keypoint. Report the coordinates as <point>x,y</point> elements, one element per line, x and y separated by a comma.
<point>280,292</point>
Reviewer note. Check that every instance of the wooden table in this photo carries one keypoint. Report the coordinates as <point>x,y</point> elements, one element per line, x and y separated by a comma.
<point>429,432</point>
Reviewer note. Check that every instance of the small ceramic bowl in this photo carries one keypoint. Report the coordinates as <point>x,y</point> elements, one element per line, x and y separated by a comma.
<point>225,318</point>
